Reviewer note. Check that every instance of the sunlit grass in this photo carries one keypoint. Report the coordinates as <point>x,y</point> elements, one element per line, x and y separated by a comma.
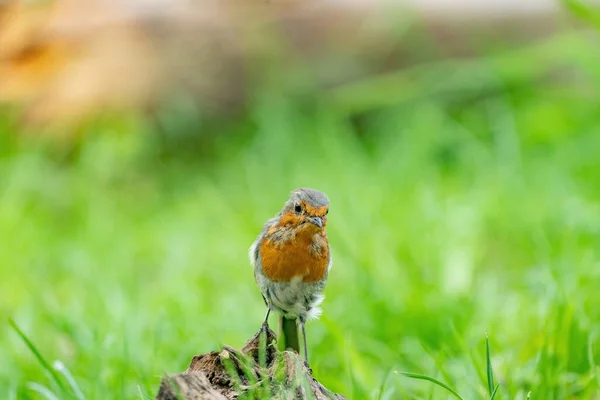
<point>451,214</point>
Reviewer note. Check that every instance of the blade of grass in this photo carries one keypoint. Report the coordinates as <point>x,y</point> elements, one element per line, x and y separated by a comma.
<point>262,362</point>
<point>236,380</point>
<point>143,395</point>
<point>432,380</point>
<point>382,385</point>
<point>438,359</point>
<point>488,361</point>
<point>493,395</point>
<point>302,380</point>
<point>470,352</point>
<point>42,390</point>
<point>60,367</point>
<point>37,354</point>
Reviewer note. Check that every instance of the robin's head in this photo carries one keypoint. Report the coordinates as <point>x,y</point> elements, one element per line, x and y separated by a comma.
<point>307,207</point>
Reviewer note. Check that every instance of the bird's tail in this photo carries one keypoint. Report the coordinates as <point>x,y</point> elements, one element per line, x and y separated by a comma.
<point>289,334</point>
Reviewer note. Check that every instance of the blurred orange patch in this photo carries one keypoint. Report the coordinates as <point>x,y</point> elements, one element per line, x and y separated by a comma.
<point>64,60</point>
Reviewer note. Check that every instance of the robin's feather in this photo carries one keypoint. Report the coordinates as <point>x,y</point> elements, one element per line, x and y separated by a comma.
<point>306,256</point>
<point>291,260</point>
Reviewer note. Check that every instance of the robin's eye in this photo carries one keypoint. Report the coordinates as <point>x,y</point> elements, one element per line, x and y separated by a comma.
<point>298,208</point>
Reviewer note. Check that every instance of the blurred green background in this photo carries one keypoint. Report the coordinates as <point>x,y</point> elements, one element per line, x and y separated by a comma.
<point>464,198</point>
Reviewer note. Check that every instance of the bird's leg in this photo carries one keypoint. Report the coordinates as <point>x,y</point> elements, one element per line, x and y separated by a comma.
<point>303,326</point>
<point>265,324</point>
<point>264,331</point>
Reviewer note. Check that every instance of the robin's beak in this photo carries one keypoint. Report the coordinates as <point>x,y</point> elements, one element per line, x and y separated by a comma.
<point>316,220</point>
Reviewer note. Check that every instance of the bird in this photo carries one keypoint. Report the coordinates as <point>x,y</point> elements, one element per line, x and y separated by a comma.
<point>291,258</point>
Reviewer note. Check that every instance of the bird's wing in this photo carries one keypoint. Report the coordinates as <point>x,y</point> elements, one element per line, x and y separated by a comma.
<point>253,252</point>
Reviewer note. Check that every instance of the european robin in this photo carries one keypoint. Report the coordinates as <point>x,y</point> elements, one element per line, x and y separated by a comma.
<point>291,260</point>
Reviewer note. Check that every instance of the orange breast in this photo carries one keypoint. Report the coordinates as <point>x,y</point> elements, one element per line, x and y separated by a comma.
<point>282,262</point>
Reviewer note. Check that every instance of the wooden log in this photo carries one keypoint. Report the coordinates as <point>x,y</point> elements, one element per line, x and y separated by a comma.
<point>230,373</point>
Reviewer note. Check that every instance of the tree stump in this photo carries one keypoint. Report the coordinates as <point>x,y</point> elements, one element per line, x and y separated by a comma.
<point>258,369</point>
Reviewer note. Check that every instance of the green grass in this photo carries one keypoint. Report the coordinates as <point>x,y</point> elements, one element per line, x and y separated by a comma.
<point>457,206</point>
